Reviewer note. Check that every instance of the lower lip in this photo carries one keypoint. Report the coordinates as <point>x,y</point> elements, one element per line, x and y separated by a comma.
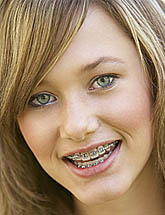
<point>95,170</point>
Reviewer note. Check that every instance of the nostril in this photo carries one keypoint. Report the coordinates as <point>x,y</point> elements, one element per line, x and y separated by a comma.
<point>72,135</point>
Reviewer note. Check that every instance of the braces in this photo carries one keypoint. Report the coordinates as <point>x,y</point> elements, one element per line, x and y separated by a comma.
<point>95,153</point>
<point>92,163</point>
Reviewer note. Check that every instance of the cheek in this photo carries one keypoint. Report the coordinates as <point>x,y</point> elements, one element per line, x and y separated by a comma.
<point>39,131</point>
<point>127,110</point>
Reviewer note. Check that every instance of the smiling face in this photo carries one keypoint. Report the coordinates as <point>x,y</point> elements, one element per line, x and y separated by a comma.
<point>96,95</point>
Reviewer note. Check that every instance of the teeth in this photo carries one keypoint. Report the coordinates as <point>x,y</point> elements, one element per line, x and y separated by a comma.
<point>95,162</point>
<point>101,150</point>
<point>92,163</point>
<point>89,165</point>
<point>101,160</point>
<point>85,156</point>
<point>83,166</point>
<point>106,156</point>
<point>109,147</point>
<point>75,163</point>
<point>79,165</point>
<point>76,156</point>
<point>95,153</point>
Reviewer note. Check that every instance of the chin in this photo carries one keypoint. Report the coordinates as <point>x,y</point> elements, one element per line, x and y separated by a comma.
<point>98,199</point>
<point>103,194</point>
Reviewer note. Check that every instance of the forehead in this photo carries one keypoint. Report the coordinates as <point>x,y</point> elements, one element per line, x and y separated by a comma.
<point>100,37</point>
<point>96,33</point>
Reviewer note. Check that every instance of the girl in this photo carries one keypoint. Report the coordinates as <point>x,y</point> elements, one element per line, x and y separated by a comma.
<point>82,107</point>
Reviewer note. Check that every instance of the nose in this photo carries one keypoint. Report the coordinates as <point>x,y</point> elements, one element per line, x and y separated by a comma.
<point>78,122</point>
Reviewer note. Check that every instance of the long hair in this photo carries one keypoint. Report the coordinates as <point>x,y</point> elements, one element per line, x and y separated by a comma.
<point>34,35</point>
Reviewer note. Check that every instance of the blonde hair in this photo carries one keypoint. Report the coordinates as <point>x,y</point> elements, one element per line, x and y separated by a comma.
<point>34,35</point>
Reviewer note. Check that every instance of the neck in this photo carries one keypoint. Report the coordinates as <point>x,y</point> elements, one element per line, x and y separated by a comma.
<point>144,197</point>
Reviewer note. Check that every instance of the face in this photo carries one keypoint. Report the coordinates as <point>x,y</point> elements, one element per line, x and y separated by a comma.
<point>89,121</point>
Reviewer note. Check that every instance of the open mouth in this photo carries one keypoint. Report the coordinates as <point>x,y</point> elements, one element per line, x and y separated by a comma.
<point>94,157</point>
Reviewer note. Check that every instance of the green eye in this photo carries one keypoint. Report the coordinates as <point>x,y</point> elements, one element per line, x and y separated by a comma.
<point>42,99</point>
<point>104,81</point>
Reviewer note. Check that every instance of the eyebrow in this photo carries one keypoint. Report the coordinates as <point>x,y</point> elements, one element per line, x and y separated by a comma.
<point>96,63</point>
<point>101,60</point>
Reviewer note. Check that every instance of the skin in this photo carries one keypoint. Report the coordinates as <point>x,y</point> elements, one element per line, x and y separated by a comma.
<point>81,113</point>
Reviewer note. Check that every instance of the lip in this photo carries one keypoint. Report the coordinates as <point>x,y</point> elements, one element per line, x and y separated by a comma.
<point>89,148</point>
<point>95,170</point>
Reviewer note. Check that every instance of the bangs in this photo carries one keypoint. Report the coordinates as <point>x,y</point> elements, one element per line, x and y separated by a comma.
<point>34,36</point>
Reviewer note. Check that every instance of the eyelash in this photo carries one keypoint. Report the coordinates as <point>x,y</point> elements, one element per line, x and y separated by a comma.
<point>35,99</point>
<point>105,77</point>
<point>110,78</point>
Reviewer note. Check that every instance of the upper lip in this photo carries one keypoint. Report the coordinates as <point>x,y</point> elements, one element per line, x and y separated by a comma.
<point>89,148</point>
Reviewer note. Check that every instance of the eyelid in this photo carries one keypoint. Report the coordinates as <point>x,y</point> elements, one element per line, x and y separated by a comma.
<point>33,97</point>
<point>112,75</point>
